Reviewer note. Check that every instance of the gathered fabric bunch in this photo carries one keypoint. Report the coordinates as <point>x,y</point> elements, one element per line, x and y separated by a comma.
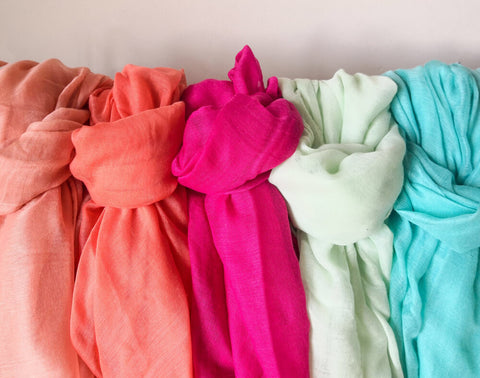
<point>248,305</point>
<point>435,279</point>
<point>322,228</point>
<point>133,278</point>
<point>340,184</point>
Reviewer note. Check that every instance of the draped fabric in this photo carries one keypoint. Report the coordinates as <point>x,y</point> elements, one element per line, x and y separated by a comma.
<point>248,313</point>
<point>435,285</point>
<point>130,313</point>
<point>40,106</point>
<point>340,185</point>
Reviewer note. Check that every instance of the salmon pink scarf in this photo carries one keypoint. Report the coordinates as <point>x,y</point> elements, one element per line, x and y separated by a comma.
<point>130,315</point>
<point>249,313</point>
<point>40,106</point>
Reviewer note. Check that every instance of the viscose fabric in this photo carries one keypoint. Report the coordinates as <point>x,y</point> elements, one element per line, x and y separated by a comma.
<point>340,185</point>
<point>41,104</point>
<point>248,314</point>
<point>130,314</point>
<point>435,282</point>
<point>233,229</point>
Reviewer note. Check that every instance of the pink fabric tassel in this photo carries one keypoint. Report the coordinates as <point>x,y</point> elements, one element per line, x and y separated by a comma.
<point>249,315</point>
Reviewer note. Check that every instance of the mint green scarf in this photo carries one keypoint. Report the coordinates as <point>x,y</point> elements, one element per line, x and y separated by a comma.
<point>340,186</point>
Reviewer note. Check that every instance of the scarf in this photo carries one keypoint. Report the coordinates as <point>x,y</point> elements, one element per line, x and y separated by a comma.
<point>435,285</point>
<point>130,314</point>
<point>41,104</point>
<point>340,185</point>
<point>248,312</point>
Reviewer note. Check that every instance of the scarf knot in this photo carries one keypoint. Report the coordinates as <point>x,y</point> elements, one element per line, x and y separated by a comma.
<point>346,173</point>
<point>42,104</point>
<point>438,108</point>
<point>236,129</point>
<point>125,159</point>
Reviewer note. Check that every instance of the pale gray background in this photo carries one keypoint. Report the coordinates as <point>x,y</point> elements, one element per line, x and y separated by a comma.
<point>302,38</point>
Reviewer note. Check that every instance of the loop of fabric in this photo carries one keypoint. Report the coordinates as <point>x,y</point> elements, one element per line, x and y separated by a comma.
<point>346,173</point>
<point>342,196</point>
<point>248,314</point>
<point>40,106</point>
<point>340,186</point>
<point>439,121</point>
<point>130,312</point>
<point>125,159</point>
<point>240,132</point>
<point>117,177</point>
<point>435,289</point>
<point>248,136</point>
<point>38,160</point>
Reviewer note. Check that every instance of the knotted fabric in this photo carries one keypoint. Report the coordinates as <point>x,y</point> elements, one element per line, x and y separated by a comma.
<point>248,314</point>
<point>130,314</point>
<point>340,186</point>
<point>435,282</point>
<point>40,106</point>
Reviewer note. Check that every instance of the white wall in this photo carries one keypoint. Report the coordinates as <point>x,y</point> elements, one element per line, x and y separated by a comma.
<point>302,38</point>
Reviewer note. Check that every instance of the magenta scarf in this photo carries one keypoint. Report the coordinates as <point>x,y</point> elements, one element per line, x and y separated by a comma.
<point>249,314</point>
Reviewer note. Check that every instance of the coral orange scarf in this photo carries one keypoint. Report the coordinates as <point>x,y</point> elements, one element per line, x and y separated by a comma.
<point>130,314</point>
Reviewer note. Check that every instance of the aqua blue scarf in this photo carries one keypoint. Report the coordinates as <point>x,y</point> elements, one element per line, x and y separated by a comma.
<point>435,280</point>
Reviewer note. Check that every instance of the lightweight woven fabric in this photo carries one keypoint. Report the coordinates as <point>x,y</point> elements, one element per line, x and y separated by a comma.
<point>435,282</point>
<point>340,186</point>
<point>248,314</point>
<point>40,106</point>
<point>130,314</point>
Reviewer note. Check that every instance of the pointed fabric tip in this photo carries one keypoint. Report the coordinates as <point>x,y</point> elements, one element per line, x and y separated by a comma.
<point>134,79</point>
<point>246,75</point>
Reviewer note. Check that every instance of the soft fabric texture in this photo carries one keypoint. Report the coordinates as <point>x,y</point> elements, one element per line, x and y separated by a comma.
<point>248,314</point>
<point>435,282</point>
<point>130,314</point>
<point>340,186</point>
<point>40,105</point>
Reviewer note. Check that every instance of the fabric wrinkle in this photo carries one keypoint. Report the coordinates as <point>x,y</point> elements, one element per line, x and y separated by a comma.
<point>41,105</point>
<point>434,289</point>
<point>249,129</point>
<point>340,186</point>
<point>131,306</point>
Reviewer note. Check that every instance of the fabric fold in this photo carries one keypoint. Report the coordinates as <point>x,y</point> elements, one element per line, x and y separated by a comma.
<point>248,312</point>
<point>130,313</point>
<point>435,286</point>
<point>340,186</point>
<point>41,104</point>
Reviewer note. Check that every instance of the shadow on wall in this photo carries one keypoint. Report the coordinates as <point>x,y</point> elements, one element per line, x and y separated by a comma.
<point>316,57</point>
<point>371,58</point>
<point>213,59</point>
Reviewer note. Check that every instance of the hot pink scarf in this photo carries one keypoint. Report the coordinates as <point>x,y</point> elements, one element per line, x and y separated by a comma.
<point>130,315</point>
<point>249,314</point>
<point>40,106</point>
